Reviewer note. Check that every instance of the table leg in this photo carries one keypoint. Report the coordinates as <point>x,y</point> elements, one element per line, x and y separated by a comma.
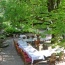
<point>31,63</point>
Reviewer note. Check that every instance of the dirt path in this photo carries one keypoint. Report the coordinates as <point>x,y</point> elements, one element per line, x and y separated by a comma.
<point>9,56</point>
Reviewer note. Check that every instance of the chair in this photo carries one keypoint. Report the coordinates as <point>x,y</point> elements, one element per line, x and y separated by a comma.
<point>28,37</point>
<point>45,46</point>
<point>32,36</point>
<point>37,43</point>
<point>17,47</point>
<point>61,56</point>
<point>52,59</point>
<point>15,42</point>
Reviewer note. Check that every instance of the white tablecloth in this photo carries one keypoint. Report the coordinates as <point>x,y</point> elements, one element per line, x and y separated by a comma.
<point>33,39</point>
<point>21,36</point>
<point>32,52</point>
<point>48,53</point>
<point>21,42</point>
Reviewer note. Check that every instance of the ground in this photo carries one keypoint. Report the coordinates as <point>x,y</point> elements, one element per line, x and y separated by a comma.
<point>9,56</point>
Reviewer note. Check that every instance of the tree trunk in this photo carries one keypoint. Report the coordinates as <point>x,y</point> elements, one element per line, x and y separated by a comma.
<point>53,39</point>
<point>58,2</point>
<point>53,4</point>
<point>50,5</point>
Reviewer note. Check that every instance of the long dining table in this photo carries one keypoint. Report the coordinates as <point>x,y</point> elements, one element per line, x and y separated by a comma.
<point>32,52</point>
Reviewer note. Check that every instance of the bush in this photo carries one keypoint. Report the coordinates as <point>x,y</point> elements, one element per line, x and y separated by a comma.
<point>2,39</point>
<point>10,31</point>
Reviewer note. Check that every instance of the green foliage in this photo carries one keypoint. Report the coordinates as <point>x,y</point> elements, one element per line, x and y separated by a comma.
<point>27,12</point>
<point>23,15</point>
<point>12,30</point>
<point>2,36</point>
<point>1,23</point>
<point>58,21</point>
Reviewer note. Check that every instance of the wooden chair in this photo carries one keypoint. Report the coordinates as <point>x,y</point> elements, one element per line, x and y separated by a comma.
<point>45,46</point>
<point>14,42</point>
<point>17,47</point>
<point>52,59</point>
<point>61,56</point>
<point>37,43</point>
<point>28,37</point>
<point>32,36</point>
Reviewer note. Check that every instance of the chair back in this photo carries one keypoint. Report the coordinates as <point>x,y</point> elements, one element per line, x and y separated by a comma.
<point>37,44</point>
<point>61,56</point>
<point>17,47</point>
<point>52,59</point>
<point>53,56</point>
<point>15,43</point>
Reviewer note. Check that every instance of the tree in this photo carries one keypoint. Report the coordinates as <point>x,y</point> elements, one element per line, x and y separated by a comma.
<point>27,14</point>
<point>24,12</point>
<point>53,4</point>
<point>57,18</point>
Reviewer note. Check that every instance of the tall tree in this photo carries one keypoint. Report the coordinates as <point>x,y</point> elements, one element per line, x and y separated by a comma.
<point>53,4</point>
<point>26,13</point>
<point>57,18</point>
<point>58,2</point>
